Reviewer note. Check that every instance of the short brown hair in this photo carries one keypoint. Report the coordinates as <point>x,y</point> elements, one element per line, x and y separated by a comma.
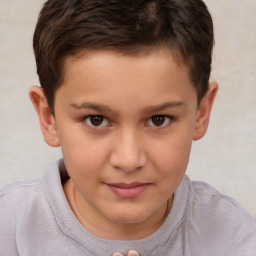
<point>67,27</point>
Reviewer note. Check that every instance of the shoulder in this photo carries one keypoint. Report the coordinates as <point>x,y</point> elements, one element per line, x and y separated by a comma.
<point>223,220</point>
<point>14,201</point>
<point>209,198</point>
<point>18,196</point>
<point>25,192</point>
<point>20,192</point>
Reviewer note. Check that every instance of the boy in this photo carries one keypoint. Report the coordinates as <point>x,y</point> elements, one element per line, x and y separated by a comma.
<point>125,91</point>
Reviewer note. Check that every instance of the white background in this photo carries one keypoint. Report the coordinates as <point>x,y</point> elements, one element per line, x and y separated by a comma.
<point>225,158</point>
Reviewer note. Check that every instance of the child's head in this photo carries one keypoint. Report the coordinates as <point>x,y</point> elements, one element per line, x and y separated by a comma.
<point>125,91</point>
<point>71,28</point>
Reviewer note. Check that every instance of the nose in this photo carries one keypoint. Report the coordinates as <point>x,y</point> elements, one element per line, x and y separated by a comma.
<point>128,154</point>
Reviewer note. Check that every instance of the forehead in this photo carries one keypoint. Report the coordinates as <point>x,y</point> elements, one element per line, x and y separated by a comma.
<point>130,53</point>
<point>105,60</point>
<point>110,76</point>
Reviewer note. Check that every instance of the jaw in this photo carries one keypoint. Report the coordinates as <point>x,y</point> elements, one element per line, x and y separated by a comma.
<point>123,219</point>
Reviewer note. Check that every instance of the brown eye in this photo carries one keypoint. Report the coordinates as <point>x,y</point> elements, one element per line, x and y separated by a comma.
<point>159,121</point>
<point>96,121</point>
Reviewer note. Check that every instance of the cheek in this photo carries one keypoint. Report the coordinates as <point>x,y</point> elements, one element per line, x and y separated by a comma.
<point>79,146</point>
<point>84,160</point>
<point>171,159</point>
<point>83,156</point>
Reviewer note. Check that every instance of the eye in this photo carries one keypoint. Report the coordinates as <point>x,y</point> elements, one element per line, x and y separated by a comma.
<point>159,121</point>
<point>96,121</point>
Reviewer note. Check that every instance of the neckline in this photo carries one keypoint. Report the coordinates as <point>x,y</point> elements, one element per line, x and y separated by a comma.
<point>71,227</point>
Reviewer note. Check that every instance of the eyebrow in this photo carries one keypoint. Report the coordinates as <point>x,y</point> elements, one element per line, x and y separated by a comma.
<point>104,108</point>
<point>164,106</point>
<point>93,106</point>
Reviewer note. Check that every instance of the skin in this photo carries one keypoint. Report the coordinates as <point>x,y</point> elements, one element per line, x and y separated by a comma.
<point>130,253</point>
<point>129,145</point>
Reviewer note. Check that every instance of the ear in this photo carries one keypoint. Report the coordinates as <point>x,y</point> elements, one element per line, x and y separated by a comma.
<point>204,111</point>
<point>46,119</point>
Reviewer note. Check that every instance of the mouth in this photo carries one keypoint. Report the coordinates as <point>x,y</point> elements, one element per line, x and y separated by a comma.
<point>131,190</point>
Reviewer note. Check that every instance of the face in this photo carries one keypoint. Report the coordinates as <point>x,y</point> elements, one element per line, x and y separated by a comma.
<point>125,125</point>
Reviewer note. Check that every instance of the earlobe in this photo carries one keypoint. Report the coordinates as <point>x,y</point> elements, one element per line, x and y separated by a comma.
<point>204,111</point>
<point>46,119</point>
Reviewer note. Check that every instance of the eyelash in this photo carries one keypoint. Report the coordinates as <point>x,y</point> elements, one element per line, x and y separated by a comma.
<point>165,123</point>
<point>105,122</point>
<point>88,119</point>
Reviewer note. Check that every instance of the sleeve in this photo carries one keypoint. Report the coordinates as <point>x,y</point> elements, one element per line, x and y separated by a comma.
<point>244,240</point>
<point>7,228</point>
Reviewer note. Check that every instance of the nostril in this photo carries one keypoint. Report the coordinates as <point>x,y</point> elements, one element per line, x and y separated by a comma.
<point>129,162</point>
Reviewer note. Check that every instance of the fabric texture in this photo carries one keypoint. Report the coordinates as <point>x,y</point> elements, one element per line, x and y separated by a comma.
<point>36,220</point>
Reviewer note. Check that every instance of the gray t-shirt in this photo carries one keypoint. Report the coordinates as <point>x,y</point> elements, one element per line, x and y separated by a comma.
<point>35,220</point>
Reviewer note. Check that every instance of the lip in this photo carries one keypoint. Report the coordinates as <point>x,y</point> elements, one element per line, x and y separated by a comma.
<point>131,190</point>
